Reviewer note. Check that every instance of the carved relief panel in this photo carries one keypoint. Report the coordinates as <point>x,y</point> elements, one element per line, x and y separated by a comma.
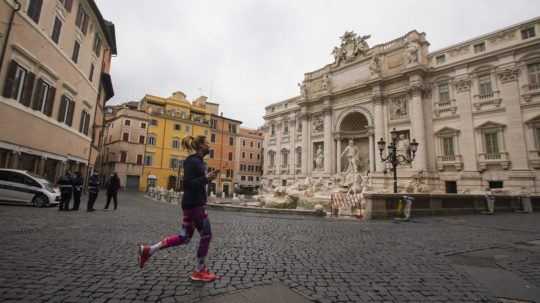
<point>399,107</point>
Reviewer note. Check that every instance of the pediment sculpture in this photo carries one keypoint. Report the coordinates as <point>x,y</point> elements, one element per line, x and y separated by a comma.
<point>352,45</point>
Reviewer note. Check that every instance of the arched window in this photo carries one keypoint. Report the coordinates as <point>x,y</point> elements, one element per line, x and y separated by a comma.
<point>176,143</point>
<point>271,158</point>
<point>284,158</point>
<point>151,139</point>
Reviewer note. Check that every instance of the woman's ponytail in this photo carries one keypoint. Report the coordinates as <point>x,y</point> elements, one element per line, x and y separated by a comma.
<point>193,144</point>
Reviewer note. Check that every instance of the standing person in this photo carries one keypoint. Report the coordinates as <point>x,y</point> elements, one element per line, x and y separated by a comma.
<point>113,185</point>
<point>78,182</point>
<point>66,187</point>
<point>93,190</point>
<point>490,202</point>
<point>194,200</point>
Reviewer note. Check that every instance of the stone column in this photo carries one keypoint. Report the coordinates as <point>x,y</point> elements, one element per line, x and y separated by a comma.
<point>514,133</point>
<point>327,112</point>
<point>7,160</point>
<point>418,129</point>
<point>41,166</point>
<point>292,147</point>
<point>60,169</point>
<point>15,157</point>
<point>371,152</point>
<point>305,143</point>
<point>379,130</point>
<point>338,155</point>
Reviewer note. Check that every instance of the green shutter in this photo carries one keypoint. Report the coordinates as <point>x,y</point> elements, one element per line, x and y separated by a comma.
<point>28,88</point>
<point>10,80</point>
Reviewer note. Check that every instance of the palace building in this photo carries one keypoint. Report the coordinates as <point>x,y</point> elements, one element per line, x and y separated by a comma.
<point>473,107</point>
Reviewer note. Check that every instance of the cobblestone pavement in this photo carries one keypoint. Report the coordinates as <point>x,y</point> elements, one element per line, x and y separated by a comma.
<point>91,257</point>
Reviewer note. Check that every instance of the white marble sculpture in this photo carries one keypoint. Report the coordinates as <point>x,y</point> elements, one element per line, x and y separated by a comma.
<point>319,158</point>
<point>352,154</point>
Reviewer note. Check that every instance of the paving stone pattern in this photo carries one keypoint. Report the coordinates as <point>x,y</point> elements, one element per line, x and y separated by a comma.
<point>51,256</point>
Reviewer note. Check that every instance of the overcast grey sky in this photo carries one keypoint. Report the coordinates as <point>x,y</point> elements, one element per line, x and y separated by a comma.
<point>247,54</point>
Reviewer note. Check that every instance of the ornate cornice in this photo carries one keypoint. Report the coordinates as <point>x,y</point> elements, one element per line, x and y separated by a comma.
<point>462,85</point>
<point>508,74</point>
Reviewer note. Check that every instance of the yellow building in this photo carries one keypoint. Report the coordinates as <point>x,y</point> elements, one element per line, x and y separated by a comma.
<point>170,120</point>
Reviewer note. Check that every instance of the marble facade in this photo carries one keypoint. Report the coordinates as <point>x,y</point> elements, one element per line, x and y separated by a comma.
<point>474,109</point>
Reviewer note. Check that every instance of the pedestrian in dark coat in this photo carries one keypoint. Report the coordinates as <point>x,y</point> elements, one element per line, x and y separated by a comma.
<point>78,182</point>
<point>66,188</point>
<point>93,190</point>
<point>113,186</point>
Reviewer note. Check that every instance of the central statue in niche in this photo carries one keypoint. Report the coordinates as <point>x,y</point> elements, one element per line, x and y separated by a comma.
<point>353,157</point>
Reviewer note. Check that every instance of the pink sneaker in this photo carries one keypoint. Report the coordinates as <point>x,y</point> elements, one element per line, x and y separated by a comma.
<point>203,275</point>
<point>144,254</point>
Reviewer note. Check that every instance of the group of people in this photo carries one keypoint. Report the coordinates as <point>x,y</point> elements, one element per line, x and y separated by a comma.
<point>72,185</point>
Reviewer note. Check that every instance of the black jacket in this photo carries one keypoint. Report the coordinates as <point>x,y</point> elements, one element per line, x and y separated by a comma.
<point>66,184</point>
<point>113,185</point>
<point>78,182</point>
<point>93,184</point>
<point>194,182</point>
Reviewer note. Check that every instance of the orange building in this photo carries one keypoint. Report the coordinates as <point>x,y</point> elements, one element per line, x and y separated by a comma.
<point>223,140</point>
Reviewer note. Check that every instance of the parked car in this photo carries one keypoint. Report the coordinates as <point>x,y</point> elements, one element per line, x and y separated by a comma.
<point>19,186</point>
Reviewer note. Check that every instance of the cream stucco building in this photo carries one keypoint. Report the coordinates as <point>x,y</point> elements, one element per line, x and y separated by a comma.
<point>125,135</point>
<point>54,79</point>
<point>473,107</point>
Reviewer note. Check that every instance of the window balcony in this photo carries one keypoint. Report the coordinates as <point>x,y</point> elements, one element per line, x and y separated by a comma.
<point>445,108</point>
<point>491,99</point>
<point>487,159</point>
<point>534,159</point>
<point>530,90</point>
<point>455,161</point>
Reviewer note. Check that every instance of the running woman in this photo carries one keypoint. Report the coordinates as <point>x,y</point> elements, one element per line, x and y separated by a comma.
<point>193,207</point>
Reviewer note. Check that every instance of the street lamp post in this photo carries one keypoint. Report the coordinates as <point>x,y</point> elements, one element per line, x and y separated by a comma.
<point>393,157</point>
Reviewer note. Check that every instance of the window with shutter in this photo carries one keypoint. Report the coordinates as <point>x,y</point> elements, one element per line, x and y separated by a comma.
<point>15,79</point>
<point>123,156</point>
<point>57,28</point>
<point>139,159</point>
<point>9,82</point>
<point>27,89</point>
<point>62,111</point>
<point>68,4</point>
<point>82,122</point>
<point>49,102</point>
<point>125,137</point>
<point>71,109</point>
<point>97,44</point>
<point>82,19</point>
<point>41,95</point>
<point>34,10</point>
<point>91,76</point>
<point>86,124</point>
<point>141,139</point>
<point>75,55</point>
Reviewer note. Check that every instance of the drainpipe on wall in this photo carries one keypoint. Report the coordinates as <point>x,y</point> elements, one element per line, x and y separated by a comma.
<point>15,10</point>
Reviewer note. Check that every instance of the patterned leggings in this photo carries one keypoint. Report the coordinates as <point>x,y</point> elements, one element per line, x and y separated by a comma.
<point>192,218</point>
